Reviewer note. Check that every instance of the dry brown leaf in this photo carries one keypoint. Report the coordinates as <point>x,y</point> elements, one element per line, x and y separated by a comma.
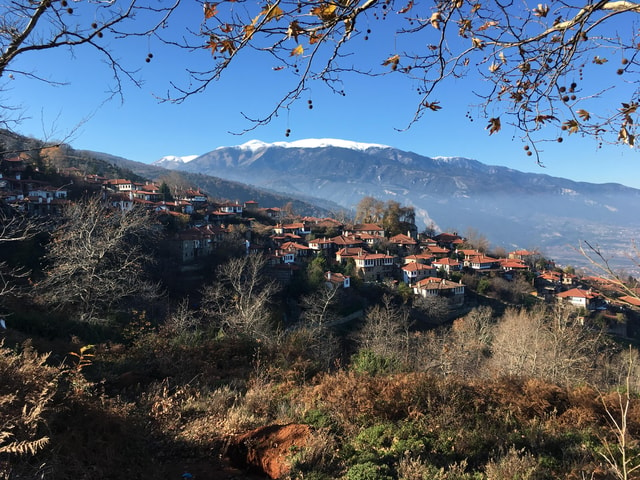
<point>392,61</point>
<point>210,10</point>
<point>494,125</point>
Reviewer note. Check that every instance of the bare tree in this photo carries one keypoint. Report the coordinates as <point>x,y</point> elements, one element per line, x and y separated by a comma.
<point>14,227</point>
<point>621,454</point>
<point>320,305</point>
<point>96,259</point>
<point>386,331</point>
<point>435,307</point>
<point>601,264</point>
<point>319,311</point>
<point>551,345</point>
<point>239,301</point>
<point>462,349</point>
<point>474,239</point>
<point>543,64</point>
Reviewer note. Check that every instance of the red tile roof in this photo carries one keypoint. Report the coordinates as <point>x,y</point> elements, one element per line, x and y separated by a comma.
<point>576,293</point>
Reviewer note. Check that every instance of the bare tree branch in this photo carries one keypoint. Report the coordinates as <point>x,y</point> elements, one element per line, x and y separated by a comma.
<point>542,63</point>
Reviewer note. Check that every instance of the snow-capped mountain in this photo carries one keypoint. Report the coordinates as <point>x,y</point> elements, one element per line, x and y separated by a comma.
<point>170,161</point>
<point>255,145</point>
<point>511,208</point>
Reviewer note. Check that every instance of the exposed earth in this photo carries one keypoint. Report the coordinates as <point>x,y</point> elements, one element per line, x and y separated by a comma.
<point>262,453</point>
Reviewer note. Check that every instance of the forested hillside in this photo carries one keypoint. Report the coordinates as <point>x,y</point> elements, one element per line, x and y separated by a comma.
<point>141,341</point>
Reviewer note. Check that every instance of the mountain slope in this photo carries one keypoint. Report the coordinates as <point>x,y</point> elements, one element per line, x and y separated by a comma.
<point>512,208</point>
<point>219,188</point>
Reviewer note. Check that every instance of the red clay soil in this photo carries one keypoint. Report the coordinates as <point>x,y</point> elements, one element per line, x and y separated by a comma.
<point>260,454</point>
<point>266,450</point>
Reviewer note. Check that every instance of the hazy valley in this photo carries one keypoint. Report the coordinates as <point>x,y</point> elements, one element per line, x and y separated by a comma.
<point>512,208</point>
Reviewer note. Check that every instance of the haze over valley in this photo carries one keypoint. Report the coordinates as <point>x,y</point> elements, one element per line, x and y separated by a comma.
<point>511,208</point>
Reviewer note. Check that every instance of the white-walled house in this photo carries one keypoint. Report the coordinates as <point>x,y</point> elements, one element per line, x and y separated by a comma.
<point>414,272</point>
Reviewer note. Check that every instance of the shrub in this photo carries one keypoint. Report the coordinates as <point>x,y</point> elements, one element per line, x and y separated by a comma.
<point>317,459</point>
<point>369,471</point>
<point>366,361</point>
<point>483,286</point>
<point>414,468</point>
<point>514,465</point>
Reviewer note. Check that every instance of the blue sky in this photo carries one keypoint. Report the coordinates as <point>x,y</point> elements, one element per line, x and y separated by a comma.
<point>143,129</point>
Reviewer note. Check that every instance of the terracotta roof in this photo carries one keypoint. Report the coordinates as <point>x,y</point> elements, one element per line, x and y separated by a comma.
<point>118,181</point>
<point>447,237</point>
<point>402,239</point>
<point>320,241</point>
<point>432,283</point>
<point>631,300</point>
<point>414,267</point>
<point>293,246</point>
<point>512,263</point>
<point>446,261</point>
<point>576,293</point>
<point>369,256</point>
<point>334,277</point>
<point>523,253</point>
<point>436,249</point>
<point>343,240</point>
<point>350,252</point>
<point>469,251</point>
<point>367,226</point>
<point>482,259</point>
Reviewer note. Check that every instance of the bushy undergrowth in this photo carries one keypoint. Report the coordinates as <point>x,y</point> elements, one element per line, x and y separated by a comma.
<point>173,396</point>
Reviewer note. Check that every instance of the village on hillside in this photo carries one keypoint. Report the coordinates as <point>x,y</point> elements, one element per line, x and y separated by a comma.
<point>429,264</point>
<point>209,335</point>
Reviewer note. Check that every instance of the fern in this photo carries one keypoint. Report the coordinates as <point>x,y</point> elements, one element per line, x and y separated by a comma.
<point>26,392</point>
<point>25,447</point>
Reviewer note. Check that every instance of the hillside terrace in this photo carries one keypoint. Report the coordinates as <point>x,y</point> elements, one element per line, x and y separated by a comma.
<point>427,265</point>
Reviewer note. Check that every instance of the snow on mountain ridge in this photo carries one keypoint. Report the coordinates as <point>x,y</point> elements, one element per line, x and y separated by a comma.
<point>256,145</point>
<point>175,158</point>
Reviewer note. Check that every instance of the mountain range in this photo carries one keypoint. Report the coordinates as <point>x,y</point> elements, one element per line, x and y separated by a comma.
<point>512,209</point>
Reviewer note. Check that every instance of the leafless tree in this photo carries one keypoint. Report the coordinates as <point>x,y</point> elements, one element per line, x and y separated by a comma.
<point>320,305</point>
<point>620,454</point>
<point>462,349</point>
<point>96,259</point>
<point>601,264</point>
<point>435,307</point>
<point>542,64</point>
<point>239,301</point>
<point>369,210</point>
<point>475,239</point>
<point>386,331</point>
<point>14,227</point>
<point>551,345</point>
<point>319,311</point>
